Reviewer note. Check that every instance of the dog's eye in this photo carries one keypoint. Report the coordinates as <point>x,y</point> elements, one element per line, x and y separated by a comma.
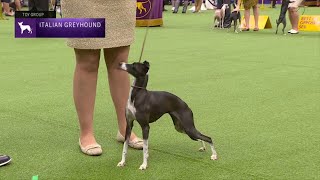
<point>134,66</point>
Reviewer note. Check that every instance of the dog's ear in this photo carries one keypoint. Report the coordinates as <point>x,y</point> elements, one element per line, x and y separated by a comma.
<point>147,64</point>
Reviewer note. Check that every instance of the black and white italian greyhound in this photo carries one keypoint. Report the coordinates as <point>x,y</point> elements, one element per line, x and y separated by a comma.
<point>235,17</point>
<point>282,16</point>
<point>148,106</point>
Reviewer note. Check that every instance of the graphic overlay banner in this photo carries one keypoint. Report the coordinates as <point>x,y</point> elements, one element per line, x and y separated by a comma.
<point>309,23</point>
<point>59,28</point>
<point>149,12</point>
<point>37,14</point>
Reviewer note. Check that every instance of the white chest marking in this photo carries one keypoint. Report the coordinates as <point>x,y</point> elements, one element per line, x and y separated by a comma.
<point>130,109</point>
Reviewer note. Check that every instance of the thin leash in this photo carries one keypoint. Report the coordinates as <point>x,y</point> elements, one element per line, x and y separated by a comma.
<point>146,34</point>
<point>144,42</point>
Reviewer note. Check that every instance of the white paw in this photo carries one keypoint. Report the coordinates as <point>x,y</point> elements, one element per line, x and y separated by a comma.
<point>121,164</point>
<point>143,167</point>
<point>202,149</point>
<point>214,157</point>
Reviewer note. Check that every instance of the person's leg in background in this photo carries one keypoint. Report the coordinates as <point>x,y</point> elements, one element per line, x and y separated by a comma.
<point>274,3</point>
<point>84,93</point>
<point>197,6</point>
<point>39,5</point>
<point>6,8</point>
<point>175,4</point>
<point>256,17</point>
<point>119,85</point>
<point>246,19</point>
<point>185,6</point>
<point>294,16</point>
<point>164,3</point>
<point>18,5</point>
<point>52,4</point>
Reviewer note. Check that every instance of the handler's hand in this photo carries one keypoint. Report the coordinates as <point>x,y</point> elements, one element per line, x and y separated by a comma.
<point>236,10</point>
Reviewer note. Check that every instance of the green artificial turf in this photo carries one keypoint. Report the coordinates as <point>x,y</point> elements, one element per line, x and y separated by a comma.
<point>256,94</point>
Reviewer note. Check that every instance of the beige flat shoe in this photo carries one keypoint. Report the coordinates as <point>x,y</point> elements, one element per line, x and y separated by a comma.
<point>91,150</point>
<point>137,143</point>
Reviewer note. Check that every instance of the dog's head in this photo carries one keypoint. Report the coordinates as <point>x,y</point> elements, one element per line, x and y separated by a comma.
<point>225,6</point>
<point>136,69</point>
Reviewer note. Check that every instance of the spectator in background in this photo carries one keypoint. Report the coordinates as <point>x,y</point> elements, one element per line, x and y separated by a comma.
<point>16,5</point>
<point>247,4</point>
<point>274,3</point>
<point>52,4</point>
<point>164,3</point>
<point>197,6</point>
<point>38,5</point>
<point>176,4</point>
<point>6,8</point>
<point>294,15</point>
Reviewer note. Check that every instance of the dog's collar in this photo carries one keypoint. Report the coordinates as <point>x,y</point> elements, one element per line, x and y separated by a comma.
<point>137,87</point>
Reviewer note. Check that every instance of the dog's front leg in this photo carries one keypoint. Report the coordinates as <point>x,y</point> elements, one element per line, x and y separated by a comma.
<point>145,132</point>
<point>126,143</point>
<point>239,27</point>
<point>124,154</point>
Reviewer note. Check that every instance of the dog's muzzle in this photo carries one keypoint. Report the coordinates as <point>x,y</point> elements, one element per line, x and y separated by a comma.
<point>123,66</point>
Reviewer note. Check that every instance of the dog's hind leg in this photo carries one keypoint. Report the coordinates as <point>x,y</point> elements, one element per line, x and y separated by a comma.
<point>284,25</point>
<point>277,26</point>
<point>126,143</point>
<point>235,26</point>
<point>193,133</point>
<point>196,135</point>
<point>203,146</point>
<point>177,122</point>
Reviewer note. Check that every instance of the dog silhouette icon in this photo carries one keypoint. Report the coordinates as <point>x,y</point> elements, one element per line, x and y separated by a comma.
<point>25,27</point>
